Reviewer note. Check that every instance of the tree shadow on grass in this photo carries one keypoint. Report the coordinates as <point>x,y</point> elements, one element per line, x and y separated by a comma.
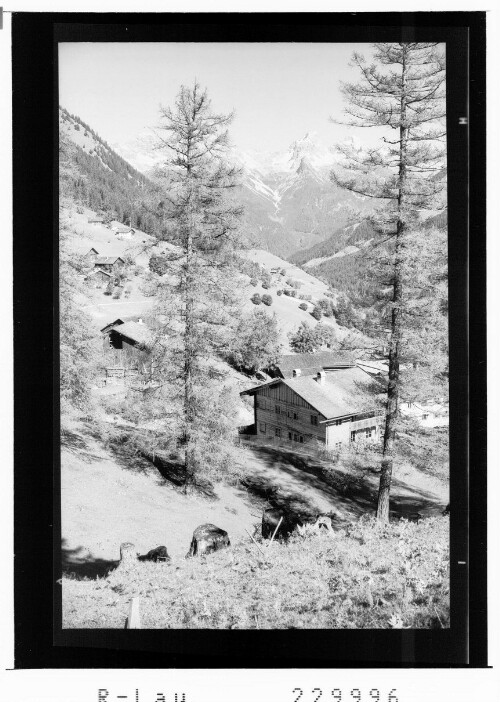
<point>79,564</point>
<point>352,495</point>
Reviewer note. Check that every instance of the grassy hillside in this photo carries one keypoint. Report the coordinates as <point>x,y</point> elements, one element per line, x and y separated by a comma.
<point>361,576</point>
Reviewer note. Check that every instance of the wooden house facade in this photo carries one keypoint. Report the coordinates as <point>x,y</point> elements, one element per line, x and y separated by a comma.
<point>330,408</point>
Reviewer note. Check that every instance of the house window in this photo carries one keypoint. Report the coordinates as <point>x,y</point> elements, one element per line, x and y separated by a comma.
<point>425,416</point>
<point>290,435</point>
<point>262,427</point>
<point>295,415</point>
<point>353,436</point>
<point>368,432</point>
<point>277,409</point>
<point>338,445</point>
<point>277,432</point>
<point>314,419</point>
<point>301,439</point>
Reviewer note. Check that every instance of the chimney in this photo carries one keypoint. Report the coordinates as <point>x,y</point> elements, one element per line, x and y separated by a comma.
<point>320,377</point>
<point>296,372</point>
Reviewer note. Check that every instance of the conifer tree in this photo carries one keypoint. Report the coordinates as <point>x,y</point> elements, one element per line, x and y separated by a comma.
<point>196,296</point>
<point>402,94</point>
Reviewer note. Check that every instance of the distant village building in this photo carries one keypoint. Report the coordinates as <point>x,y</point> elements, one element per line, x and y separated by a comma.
<point>96,220</point>
<point>124,232</point>
<point>112,264</point>
<point>428,414</point>
<point>321,399</point>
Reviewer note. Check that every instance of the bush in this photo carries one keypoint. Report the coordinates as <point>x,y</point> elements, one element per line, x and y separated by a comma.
<point>256,299</point>
<point>117,293</point>
<point>254,282</point>
<point>282,271</point>
<point>303,306</point>
<point>128,290</point>
<point>316,313</point>
<point>279,292</point>
<point>266,285</point>
<point>267,300</point>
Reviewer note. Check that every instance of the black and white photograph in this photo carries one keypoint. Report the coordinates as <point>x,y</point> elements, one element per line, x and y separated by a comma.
<point>253,311</point>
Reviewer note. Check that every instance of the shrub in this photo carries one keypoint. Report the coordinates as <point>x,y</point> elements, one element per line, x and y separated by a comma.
<point>117,293</point>
<point>266,285</point>
<point>316,313</point>
<point>267,300</point>
<point>128,290</point>
<point>279,292</point>
<point>282,271</point>
<point>303,306</point>
<point>254,282</point>
<point>256,299</point>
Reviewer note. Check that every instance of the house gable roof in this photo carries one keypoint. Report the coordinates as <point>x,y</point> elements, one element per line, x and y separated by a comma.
<point>112,324</point>
<point>311,363</point>
<point>108,260</point>
<point>343,391</point>
<point>135,331</point>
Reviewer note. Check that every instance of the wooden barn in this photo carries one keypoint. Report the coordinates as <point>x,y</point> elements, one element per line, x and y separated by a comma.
<point>329,406</point>
<point>112,264</point>
<point>99,278</point>
<point>96,220</point>
<point>127,344</point>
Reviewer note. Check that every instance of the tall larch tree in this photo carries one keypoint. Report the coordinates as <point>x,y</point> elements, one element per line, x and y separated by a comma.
<point>197,293</point>
<point>401,93</point>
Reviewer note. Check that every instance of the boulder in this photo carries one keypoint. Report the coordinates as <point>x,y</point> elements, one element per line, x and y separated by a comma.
<point>207,538</point>
<point>156,555</point>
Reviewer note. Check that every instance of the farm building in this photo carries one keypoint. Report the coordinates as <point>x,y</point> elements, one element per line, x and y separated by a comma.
<point>91,254</point>
<point>109,263</point>
<point>126,344</point>
<point>328,405</point>
<point>99,278</point>
<point>309,363</point>
<point>96,220</point>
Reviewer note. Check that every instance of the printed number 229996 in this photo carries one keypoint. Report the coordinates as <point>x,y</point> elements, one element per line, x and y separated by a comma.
<point>338,695</point>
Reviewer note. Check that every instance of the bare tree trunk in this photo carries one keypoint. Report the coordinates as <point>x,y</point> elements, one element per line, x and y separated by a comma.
<point>391,412</point>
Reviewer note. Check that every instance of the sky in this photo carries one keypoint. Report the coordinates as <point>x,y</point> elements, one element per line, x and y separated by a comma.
<point>279,91</point>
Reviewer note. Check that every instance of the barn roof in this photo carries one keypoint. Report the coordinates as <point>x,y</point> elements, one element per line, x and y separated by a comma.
<point>135,331</point>
<point>112,324</point>
<point>311,363</point>
<point>343,392</point>
<point>99,271</point>
<point>108,259</point>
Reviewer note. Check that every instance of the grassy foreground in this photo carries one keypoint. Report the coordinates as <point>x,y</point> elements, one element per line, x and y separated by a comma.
<point>361,576</point>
